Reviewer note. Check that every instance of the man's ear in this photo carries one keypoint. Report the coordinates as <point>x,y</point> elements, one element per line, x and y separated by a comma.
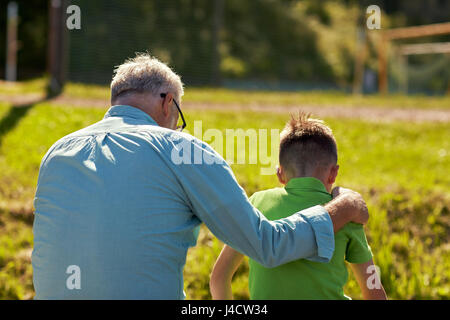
<point>333,174</point>
<point>166,103</point>
<point>281,175</point>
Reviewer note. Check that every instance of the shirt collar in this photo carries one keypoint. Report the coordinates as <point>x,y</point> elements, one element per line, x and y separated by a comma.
<point>130,112</point>
<point>306,184</point>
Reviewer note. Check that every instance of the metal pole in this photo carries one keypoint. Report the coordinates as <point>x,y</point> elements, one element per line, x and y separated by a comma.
<point>360,56</point>
<point>11,42</point>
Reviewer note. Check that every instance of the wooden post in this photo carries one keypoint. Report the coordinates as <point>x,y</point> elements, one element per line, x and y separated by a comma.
<point>382,65</point>
<point>403,33</point>
<point>56,61</point>
<point>11,42</point>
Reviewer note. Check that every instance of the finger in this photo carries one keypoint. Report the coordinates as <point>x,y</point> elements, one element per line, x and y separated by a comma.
<point>335,192</point>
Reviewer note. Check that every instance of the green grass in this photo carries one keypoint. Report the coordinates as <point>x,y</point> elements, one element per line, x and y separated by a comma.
<point>275,98</point>
<point>400,168</point>
<point>316,98</point>
<point>24,87</point>
<point>16,240</point>
<point>263,98</point>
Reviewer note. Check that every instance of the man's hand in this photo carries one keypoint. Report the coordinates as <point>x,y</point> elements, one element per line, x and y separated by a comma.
<point>347,206</point>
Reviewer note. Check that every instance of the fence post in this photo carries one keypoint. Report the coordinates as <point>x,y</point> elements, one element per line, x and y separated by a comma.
<point>360,56</point>
<point>56,48</point>
<point>11,42</point>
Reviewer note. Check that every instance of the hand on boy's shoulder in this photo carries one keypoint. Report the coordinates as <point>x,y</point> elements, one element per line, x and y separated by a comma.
<point>355,202</point>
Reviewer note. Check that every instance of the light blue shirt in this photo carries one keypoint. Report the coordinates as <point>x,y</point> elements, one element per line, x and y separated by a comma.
<point>119,203</point>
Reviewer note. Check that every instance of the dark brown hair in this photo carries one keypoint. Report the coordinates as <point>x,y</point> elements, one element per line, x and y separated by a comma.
<point>306,144</point>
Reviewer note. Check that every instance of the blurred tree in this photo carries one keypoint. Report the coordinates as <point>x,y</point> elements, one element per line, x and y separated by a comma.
<point>271,41</point>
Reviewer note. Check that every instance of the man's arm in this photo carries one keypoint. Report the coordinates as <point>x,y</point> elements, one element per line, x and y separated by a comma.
<point>371,289</point>
<point>222,274</point>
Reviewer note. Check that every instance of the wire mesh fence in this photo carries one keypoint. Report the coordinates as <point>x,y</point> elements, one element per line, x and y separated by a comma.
<point>178,32</point>
<point>251,45</point>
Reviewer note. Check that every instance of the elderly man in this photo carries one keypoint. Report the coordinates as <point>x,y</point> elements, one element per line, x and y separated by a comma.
<point>115,215</point>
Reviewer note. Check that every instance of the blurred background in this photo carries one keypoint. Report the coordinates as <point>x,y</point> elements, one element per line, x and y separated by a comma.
<point>248,64</point>
<point>263,44</point>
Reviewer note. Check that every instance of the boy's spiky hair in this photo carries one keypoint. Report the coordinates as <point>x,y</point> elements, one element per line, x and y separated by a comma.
<point>306,144</point>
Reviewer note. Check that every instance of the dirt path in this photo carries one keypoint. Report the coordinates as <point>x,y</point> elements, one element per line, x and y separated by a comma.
<point>378,114</point>
<point>336,111</point>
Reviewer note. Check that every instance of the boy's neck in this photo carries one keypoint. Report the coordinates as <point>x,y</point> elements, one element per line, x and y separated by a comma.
<point>327,185</point>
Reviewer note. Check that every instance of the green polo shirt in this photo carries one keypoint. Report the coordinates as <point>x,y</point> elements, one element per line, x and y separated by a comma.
<point>305,279</point>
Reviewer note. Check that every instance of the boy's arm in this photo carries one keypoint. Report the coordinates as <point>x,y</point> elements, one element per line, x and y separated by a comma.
<point>368,280</point>
<point>222,274</point>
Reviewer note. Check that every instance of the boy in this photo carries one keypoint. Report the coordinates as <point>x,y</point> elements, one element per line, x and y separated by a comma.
<point>308,169</point>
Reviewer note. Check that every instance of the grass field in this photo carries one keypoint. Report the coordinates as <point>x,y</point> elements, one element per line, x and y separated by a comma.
<point>265,98</point>
<point>401,169</point>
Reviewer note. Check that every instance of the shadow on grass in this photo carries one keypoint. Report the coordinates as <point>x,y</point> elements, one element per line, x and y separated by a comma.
<point>17,112</point>
<point>22,213</point>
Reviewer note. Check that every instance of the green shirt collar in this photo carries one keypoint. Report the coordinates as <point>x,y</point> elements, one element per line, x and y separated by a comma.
<point>306,184</point>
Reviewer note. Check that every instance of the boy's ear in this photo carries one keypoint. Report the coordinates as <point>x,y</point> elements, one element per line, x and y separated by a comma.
<point>280,175</point>
<point>333,174</point>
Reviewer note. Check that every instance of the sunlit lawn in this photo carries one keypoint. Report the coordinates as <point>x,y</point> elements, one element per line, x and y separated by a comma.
<point>401,168</point>
<point>205,95</point>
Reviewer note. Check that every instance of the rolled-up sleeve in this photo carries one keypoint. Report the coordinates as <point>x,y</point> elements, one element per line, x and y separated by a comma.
<point>321,223</point>
<point>216,199</point>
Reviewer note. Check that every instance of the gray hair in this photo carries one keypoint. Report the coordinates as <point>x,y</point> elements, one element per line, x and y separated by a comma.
<point>145,73</point>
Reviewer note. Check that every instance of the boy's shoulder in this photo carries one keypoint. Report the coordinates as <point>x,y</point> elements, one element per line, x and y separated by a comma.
<point>266,195</point>
<point>357,248</point>
<point>353,228</point>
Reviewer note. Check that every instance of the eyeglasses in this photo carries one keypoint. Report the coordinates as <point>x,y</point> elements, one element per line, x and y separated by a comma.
<point>180,128</point>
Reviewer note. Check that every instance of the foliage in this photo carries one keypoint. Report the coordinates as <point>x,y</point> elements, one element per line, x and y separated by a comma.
<point>290,40</point>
